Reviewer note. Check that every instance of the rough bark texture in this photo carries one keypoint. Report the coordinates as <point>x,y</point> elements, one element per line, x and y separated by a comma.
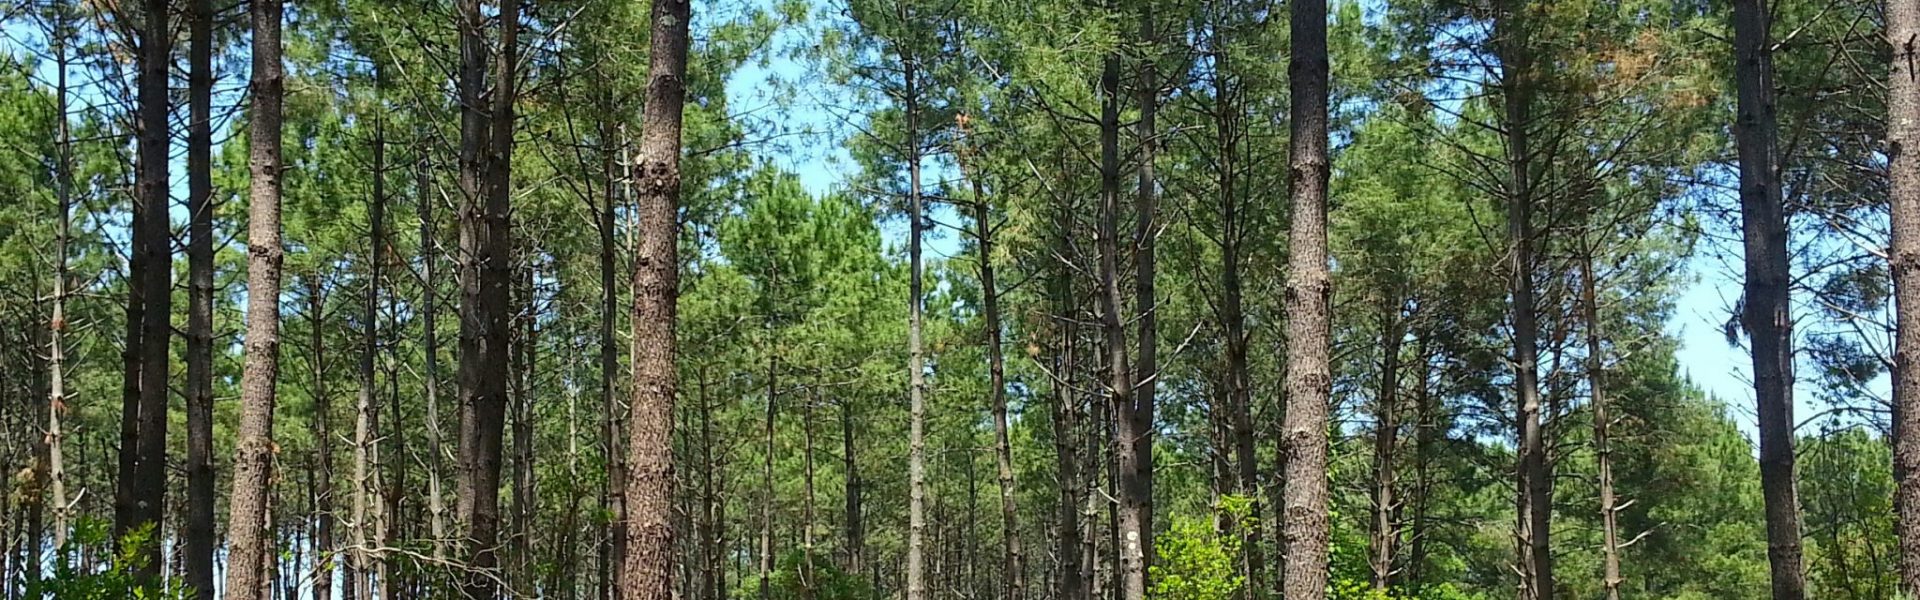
<point>1309,377</point>
<point>1533,473</point>
<point>486,269</point>
<point>648,572</point>
<point>1903,133</point>
<point>250,526</point>
<point>1767,316</point>
<point>198,555</point>
<point>141,487</point>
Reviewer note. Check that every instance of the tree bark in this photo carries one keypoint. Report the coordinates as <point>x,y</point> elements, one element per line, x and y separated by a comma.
<point>1308,297</point>
<point>250,532</point>
<point>366,410</point>
<point>648,572</point>
<point>200,495</point>
<point>916,377</point>
<point>1602,422</point>
<point>486,165</point>
<point>322,419</point>
<point>1903,132</point>
<point>430,346</point>
<point>56,328</point>
<point>1136,464</point>
<point>615,537</point>
<point>1534,473</point>
<point>141,486</point>
<point>1383,540</point>
<point>1767,317</point>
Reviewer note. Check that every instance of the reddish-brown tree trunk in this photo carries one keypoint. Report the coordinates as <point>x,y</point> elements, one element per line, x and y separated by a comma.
<point>250,531</point>
<point>648,571</point>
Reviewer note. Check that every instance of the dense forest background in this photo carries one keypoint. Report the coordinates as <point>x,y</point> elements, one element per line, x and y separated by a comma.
<point>1094,181</point>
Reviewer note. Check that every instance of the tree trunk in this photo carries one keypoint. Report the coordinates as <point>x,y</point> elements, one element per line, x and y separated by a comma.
<point>1384,535</point>
<point>322,418</point>
<point>648,572</point>
<point>855,513</point>
<point>1767,316</point>
<point>614,551</point>
<point>1309,291</point>
<point>141,486</point>
<point>1903,130</point>
<point>1120,381</point>
<point>56,328</point>
<point>1073,573</point>
<point>1137,471</point>
<point>366,412</point>
<point>916,377</point>
<point>486,166</point>
<point>1013,567</point>
<point>1534,477</point>
<point>200,495</point>
<point>766,469</point>
<point>1602,421</point>
<point>430,345</point>
<point>250,533</point>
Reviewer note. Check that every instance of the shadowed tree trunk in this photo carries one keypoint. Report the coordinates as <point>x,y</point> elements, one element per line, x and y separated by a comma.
<point>200,495</point>
<point>250,532</point>
<point>486,164</point>
<point>1534,474</point>
<point>648,572</point>
<point>1768,322</point>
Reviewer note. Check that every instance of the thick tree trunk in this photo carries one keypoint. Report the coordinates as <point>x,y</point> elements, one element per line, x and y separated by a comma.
<point>486,166</point>
<point>141,485</point>
<point>1903,133</point>
<point>648,572</point>
<point>250,533</point>
<point>1309,291</point>
<point>200,495</point>
<point>1767,317</point>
